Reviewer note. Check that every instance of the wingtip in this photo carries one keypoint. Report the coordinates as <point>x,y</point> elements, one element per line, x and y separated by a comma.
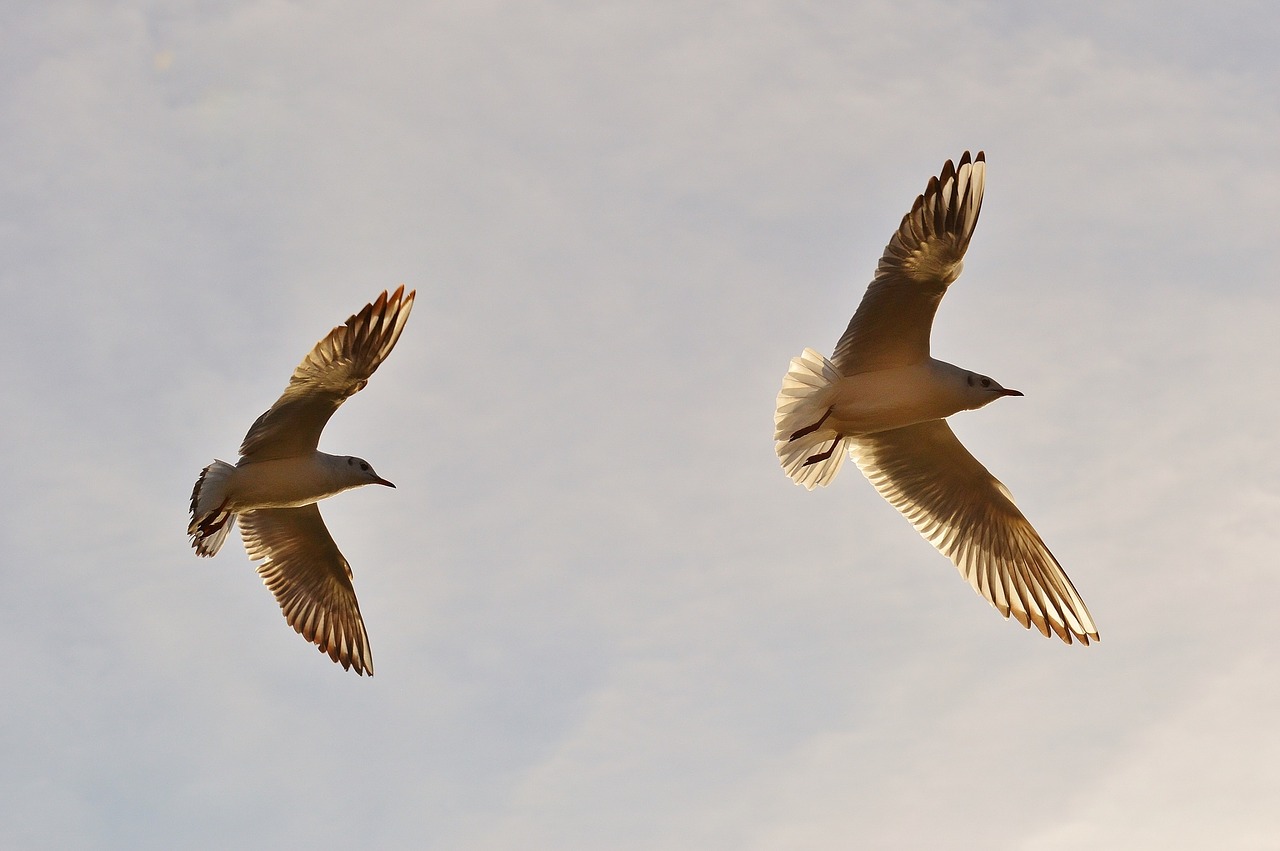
<point>398,297</point>
<point>350,650</point>
<point>1051,627</point>
<point>363,667</point>
<point>1084,639</point>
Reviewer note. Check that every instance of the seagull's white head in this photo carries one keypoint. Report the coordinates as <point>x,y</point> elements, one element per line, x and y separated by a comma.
<point>357,471</point>
<point>980,390</point>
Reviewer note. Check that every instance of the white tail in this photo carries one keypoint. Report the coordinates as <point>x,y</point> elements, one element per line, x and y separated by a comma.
<point>811,453</point>
<point>210,521</point>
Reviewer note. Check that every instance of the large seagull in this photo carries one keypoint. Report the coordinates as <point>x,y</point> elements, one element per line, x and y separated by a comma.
<point>883,398</point>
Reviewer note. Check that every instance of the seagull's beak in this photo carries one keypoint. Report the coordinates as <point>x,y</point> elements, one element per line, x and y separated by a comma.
<point>381,481</point>
<point>1004,392</point>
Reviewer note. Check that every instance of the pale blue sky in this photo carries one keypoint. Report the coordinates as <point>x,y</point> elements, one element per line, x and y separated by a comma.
<point>602,617</point>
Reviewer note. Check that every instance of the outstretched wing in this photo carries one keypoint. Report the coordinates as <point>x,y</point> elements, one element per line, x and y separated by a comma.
<point>338,366</point>
<point>926,473</point>
<point>310,579</point>
<point>892,324</point>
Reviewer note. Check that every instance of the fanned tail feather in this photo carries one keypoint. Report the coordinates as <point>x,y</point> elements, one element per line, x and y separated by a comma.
<point>210,520</point>
<point>811,453</point>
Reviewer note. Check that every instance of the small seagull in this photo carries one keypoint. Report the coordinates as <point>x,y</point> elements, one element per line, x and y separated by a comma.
<point>274,487</point>
<point>885,399</point>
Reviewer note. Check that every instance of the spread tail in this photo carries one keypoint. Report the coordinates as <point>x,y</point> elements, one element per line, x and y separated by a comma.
<point>811,453</point>
<point>210,521</point>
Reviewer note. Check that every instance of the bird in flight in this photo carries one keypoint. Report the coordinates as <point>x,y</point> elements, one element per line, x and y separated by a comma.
<point>883,397</point>
<point>274,488</point>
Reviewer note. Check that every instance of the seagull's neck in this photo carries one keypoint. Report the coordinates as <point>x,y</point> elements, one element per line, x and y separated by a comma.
<point>327,461</point>
<point>338,471</point>
<point>950,385</point>
<point>947,373</point>
<point>953,384</point>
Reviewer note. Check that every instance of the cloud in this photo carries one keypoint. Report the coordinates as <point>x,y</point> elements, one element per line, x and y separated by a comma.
<point>602,616</point>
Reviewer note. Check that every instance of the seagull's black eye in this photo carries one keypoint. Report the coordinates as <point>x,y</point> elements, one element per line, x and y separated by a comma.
<point>364,466</point>
<point>986,382</point>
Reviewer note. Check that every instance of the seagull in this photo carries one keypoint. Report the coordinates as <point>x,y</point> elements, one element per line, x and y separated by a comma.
<point>280,477</point>
<point>884,399</point>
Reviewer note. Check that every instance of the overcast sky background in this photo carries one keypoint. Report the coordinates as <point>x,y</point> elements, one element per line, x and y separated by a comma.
<point>602,617</point>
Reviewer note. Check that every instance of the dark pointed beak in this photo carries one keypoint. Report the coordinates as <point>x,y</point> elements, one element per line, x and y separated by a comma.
<point>382,481</point>
<point>1008,392</point>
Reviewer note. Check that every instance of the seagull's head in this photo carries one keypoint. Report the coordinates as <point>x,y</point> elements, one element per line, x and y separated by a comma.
<point>981,390</point>
<point>358,471</point>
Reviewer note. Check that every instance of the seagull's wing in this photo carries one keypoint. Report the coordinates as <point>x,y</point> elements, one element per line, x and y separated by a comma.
<point>338,366</point>
<point>964,511</point>
<point>891,326</point>
<point>311,580</point>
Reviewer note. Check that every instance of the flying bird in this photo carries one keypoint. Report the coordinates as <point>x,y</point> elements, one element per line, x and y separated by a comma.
<point>274,488</point>
<point>882,397</point>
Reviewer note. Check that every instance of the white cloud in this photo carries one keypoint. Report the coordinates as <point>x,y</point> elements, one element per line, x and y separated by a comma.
<point>602,617</point>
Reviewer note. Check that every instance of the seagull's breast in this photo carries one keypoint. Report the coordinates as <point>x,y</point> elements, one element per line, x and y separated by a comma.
<point>886,399</point>
<point>282,483</point>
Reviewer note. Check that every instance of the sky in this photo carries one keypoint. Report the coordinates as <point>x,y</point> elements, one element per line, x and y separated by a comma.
<point>602,616</point>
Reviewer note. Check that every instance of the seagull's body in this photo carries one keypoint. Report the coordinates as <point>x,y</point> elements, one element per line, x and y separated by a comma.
<point>868,402</point>
<point>281,475</point>
<point>885,399</point>
<point>292,482</point>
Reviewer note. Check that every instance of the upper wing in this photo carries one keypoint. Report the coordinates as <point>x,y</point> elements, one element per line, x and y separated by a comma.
<point>891,326</point>
<point>337,367</point>
<point>310,579</point>
<point>964,511</point>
